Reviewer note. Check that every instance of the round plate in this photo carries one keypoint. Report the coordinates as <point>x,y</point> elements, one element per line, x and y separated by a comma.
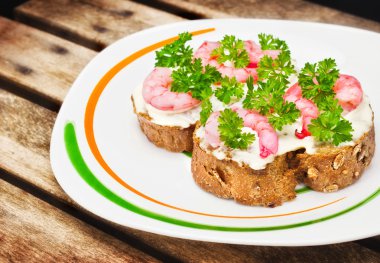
<point>105,163</point>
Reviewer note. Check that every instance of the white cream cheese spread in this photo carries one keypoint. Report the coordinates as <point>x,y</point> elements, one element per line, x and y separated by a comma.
<point>361,119</point>
<point>165,118</point>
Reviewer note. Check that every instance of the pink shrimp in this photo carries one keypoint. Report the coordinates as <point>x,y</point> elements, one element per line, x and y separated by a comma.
<point>204,53</point>
<point>241,74</point>
<point>348,92</point>
<point>307,108</point>
<point>255,53</point>
<point>268,139</point>
<point>156,92</point>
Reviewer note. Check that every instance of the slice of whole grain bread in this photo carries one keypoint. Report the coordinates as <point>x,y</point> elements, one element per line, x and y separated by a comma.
<point>171,138</point>
<point>332,168</point>
<point>328,170</point>
<point>227,179</point>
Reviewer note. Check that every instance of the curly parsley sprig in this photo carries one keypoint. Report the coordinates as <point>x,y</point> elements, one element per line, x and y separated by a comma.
<point>279,68</point>
<point>331,127</point>
<point>232,49</point>
<point>229,88</point>
<point>268,100</point>
<point>269,42</point>
<point>317,82</point>
<point>176,53</point>
<point>230,125</point>
<point>197,80</point>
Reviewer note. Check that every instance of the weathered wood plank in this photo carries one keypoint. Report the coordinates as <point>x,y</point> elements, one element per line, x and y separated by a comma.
<point>39,62</point>
<point>94,24</point>
<point>22,140</point>
<point>34,231</point>
<point>274,9</point>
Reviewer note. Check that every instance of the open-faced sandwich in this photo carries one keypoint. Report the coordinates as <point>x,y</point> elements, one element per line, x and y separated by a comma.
<point>180,89</point>
<point>261,126</point>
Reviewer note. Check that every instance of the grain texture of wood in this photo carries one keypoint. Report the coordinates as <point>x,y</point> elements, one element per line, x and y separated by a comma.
<point>22,140</point>
<point>274,9</point>
<point>94,24</point>
<point>34,231</point>
<point>39,62</point>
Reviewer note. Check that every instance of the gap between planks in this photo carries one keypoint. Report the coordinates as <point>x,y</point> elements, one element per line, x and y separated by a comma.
<point>34,231</point>
<point>38,62</point>
<point>91,23</point>
<point>22,140</point>
<point>299,10</point>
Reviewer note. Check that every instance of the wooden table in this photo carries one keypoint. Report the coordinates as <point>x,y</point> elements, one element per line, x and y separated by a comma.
<point>42,50</point>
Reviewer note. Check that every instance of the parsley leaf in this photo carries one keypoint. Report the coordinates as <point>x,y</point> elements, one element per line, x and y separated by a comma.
<point>268,42</point>
<point>317,80</point>
<point>230,125</point>
<point>229,88</point>
<point>278,69</point>
<point>329,126</point>
<point>283,114</point>
<point>196,79</point>
<point>176,53</point>
<point>233,50</point>
<point>206,110</point>
<point>268,100</point>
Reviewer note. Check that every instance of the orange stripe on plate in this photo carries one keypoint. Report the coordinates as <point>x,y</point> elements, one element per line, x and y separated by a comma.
<point>89,131</point>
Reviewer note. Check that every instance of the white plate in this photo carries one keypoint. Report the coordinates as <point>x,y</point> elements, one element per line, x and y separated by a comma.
<point>103,161</point>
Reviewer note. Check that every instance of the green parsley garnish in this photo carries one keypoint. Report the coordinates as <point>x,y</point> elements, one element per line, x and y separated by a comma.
<point>268,100</point>
<point>229,88</point>
<point>206,110</point>
<point>278,69</point>
<point>317,82</point>
<point>232,49</point>
<point>268,42</point>
<point>230,125</point>
<point>330,126</point>
<point>196,79</point>
<point>176,53</point>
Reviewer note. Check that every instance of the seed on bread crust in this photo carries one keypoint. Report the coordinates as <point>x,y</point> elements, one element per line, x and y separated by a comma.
<point>338,161</point>
<point>312,173</point>
<point>331,188</point>
<point>357,149</point>
<point>361,155</point>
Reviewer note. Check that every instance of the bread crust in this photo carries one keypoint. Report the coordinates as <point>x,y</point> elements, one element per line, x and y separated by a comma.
<point>328,170</point>
<point>227,179</point>
<point>332,168</point>
<point>171,138</point>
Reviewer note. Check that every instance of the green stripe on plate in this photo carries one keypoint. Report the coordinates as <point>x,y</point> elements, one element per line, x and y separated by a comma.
<point>81,167</point>
<point>302,190</point>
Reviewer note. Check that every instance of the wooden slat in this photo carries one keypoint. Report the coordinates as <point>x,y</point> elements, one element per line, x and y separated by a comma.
<point>93,23</point>
<point>274,9</point>
<point>25,130</point>
<point>34,231</point>
<point>39,62</point>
